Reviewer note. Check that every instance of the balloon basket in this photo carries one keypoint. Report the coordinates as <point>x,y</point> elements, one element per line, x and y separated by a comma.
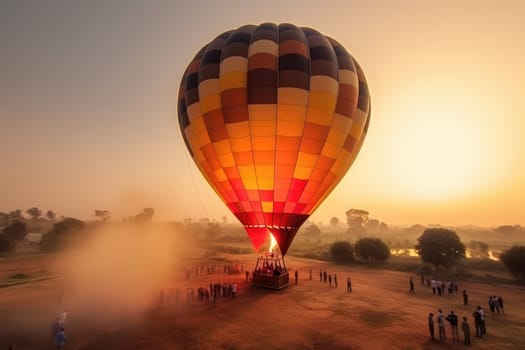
<point>270,272</point>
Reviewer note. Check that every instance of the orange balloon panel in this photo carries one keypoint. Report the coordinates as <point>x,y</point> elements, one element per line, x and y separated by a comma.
<point>273,116</point>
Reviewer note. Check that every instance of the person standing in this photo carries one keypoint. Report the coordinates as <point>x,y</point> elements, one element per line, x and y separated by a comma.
<point>431,325</point>
<point>60,339</point>
<point>234,289</point>
<point>411,282</point>
<point>453,320</point>
<point>465,297</point>
<point>335,280</point>
<point>296,276</point>
<point>330,279</point>
<point>348,285</point>
<point>55,328</point>
<point>477,322</point>
<point>500,304</point>
<point>466,331</point>
<point>441,325</point>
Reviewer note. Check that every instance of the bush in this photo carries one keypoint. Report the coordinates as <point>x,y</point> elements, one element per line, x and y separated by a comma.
<point>514,260</point>
<point>62,234</point>
<point>372,249</point>
<point>341,251</point>
<point>6,245</point>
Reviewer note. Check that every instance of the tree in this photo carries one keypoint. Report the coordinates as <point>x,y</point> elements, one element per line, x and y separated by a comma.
<point>372,225</point>
<point>61,234</point>
<point>16,231</point>
<point>372,249</point>
<point>312,230</point>
<point>6,245</point>
<point>51,215</point>
<point>34,212</point>
<point>479,250</point>
<point>440,247</point>
<point>383,226</point>
<point>145,216</point>
<point>104,215</point>
<point>16,214</point>
<point>514,260</point>
<point>356,220</point>
<point>341,251</point>
<point>4,219</point>
<point>509,229</point>
<point>334,222</point>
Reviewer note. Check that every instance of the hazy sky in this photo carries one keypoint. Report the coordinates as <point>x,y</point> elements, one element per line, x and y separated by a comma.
<point>88,106</point>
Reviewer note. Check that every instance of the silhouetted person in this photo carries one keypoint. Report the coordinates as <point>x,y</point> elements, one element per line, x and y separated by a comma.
<point>477,322</point>
<point>465,297</point>
<point>296,276</point>
<point>247,276</point>
<point>330,279</point>
<point>55,328</point>
<point>441,325</point>
<point>431,325</point>
<point>499,300</point>
<point>60,339</point>
<point>411,281</point>
<point>325,276</point>
<point>466,331</point>
<point>335,280</point>
<point>349,285</point>
<point>453,320</point>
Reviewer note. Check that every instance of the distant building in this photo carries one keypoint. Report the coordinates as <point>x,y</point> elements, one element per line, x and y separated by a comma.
<point>33,237</point>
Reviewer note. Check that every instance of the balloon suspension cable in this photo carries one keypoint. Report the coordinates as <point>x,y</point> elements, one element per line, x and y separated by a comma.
<point>194,183</point>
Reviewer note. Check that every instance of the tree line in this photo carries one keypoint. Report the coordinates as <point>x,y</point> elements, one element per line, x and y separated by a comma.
<point>62,233</point>
<point>440,247</point>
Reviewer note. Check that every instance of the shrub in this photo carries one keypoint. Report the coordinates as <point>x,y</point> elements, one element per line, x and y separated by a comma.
<point>372,249</point>
<point>341,251</point>
<point>514,260</point>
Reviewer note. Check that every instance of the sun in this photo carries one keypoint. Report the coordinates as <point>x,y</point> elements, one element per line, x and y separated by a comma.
<point>437,154</point>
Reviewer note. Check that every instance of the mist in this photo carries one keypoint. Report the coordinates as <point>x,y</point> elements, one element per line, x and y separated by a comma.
<point>118,273</point>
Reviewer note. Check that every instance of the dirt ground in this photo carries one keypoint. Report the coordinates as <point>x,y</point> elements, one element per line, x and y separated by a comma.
<point>378,314</point>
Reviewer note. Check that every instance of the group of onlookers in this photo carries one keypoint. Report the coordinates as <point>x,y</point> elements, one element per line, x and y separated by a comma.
<point>479,316</point>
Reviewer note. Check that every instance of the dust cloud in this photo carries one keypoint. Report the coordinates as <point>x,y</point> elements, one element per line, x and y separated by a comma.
<point>119,272</point>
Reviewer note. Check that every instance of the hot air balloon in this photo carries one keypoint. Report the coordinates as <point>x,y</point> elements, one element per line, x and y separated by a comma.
<point>273,116</point>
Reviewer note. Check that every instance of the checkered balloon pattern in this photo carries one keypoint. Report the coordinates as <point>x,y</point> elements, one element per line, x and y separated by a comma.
<point>273,116</point>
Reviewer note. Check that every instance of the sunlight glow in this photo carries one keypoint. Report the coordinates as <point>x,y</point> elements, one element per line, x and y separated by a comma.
<point>438,153</point>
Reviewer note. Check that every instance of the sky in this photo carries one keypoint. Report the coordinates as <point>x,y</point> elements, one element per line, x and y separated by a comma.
<point>88,117</point>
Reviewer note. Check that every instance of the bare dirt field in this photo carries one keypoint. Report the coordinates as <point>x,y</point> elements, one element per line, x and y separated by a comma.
<point>378,314</point>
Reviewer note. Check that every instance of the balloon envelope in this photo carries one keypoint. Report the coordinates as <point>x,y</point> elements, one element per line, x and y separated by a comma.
<point>273,116</point>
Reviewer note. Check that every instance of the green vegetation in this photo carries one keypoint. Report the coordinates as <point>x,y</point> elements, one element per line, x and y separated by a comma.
<point>62,234</point>
<point>341,252</point>
<point>372,249</point>
<point>440,247</point>
<point>514,260</point>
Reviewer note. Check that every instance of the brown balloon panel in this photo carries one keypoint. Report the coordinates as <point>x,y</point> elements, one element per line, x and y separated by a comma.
<point>273,116</point>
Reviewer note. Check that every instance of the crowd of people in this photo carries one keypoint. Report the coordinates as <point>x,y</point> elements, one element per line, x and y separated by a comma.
<point>495,304</point>
<point>213,269</point>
